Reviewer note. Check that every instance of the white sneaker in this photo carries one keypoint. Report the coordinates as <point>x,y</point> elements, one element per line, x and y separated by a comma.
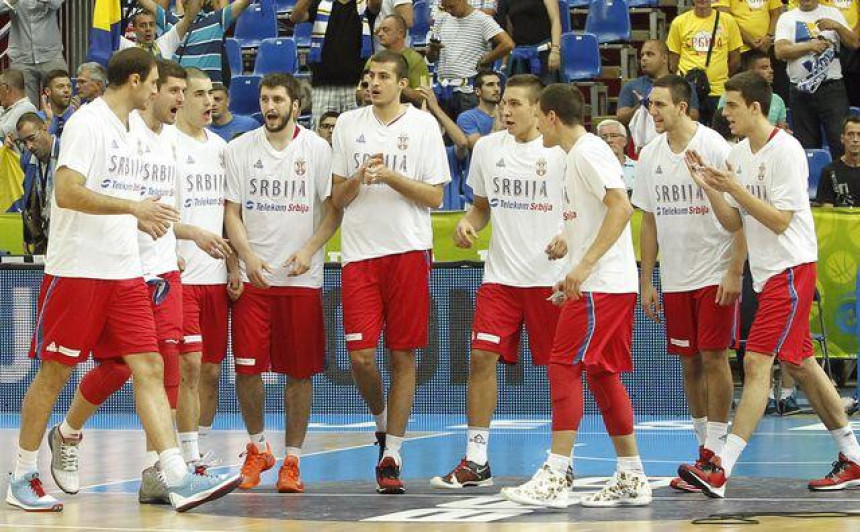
<point>546,488</point>
<point>623,489</point>
<point>64,460</point>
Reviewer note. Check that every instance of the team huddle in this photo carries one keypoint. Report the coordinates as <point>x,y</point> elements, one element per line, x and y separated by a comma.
<point>161,229</point>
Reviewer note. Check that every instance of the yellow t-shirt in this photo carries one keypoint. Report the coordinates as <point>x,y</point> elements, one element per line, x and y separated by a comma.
<point>753,16</point>
<point>689,37</point>
<point>850,9</point>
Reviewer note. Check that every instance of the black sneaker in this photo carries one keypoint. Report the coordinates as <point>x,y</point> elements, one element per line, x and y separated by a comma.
<point>388,477</point>
<point>772,408</point>
<point>380,441</point>
<point>466,474</point>
<point>788,406</point>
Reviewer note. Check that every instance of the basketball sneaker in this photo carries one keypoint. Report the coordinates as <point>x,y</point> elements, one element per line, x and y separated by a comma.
<point>28,494</point>
<point>380,441</point>
<point>153,488</point>
<point>845,474</point>
<point>388,477</point>
<point>289,480</point>
<point>680,484</point>
<point>198,488</point>
<point>625,488</point>
<point>64,460</point>
<point>546,488</point>
<point>466,474</point>
<point>255,463</point>
<point>710,476</point>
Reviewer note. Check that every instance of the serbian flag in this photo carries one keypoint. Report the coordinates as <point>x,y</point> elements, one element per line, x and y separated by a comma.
<point>107,28</point>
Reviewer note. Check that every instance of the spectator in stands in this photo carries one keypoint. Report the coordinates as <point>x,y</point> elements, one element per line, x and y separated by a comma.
<point>337,58</point>
<point>468,40</point>
<point>90,83</point>
<point>759,62</point>
<point>840,180</point>
<point>224,123</point>
<point>486,117</point>
<point>362,90</point>
<point>35,41</point>
<point>449,127</point>
<point>391,33</point>
<point>756,21</point>
<point>145,32</point>
<point>387,8</point>
<point>614,133</point>
<point>39,162</point>
<point>689,40</point>
<point>325,128</point>
<point>57,101</point>
<point>535,26</point>
<point>809,39</point>
<point>14,101</point>
<point>654,63</point>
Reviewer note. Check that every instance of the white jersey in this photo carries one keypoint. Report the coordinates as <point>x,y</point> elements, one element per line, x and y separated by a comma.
<point>201,190</point>
<point>591,169</point>
<point>380,221</point>
<point>523,182</point>
<point>695,250</point>
<point>777,175</point>
<point>159,177</point>
<point>282,195</point>
<point>97,145</point>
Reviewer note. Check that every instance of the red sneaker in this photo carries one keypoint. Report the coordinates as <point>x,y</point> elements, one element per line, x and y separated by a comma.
<point>388,477</point>
<point>289,479</point>
<point>680,484</point>
<point>709,476</point>
<point>845,474</point>
<point>255,463</point>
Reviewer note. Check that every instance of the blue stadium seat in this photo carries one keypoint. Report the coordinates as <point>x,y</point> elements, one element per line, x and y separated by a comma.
<point>234,56</point>
<point>284,6</point>
<point>817,160</point>
<point>854,111</point>
<point>276,55</point>
<point>455,194</point>
<point>577,3</point>
<point>302,34</point>
<point>420,24</point>
<point>643,3</point>
<point>245,95</point>
<point>609,20</point>
<point>580,57</point>
<point>564,13</point>
<point>258,22</point>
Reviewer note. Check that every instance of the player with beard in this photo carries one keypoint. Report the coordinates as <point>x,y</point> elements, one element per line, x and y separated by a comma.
<point>278,216</point>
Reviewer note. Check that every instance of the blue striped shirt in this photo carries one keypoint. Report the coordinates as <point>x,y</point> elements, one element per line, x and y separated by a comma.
<point>203,44</point>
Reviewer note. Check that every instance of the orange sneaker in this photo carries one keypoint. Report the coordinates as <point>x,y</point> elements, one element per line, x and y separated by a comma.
<point>255,463</point>
<point>289,480</point>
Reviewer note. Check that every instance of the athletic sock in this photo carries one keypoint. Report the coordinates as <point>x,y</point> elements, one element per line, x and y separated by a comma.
<point>847,442</point>
<point>27,462</point>
<point>632,464</point>
<point>150,459</point>
<point>476,446</point>
<point>558,463</point>
<point>66,431</point>
<point>716,436</point>
<point>259,440</point>
<point>700,427</point>
<point>392,447</point>
<point>188,443</point>
<point>731,452</point>
<point>381,420</point>
<point>295,451</point>
<point>173,466</point>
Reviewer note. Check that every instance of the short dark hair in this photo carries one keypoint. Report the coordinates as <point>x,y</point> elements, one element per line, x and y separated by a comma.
<point>401,67</point>
<point>566,101</point>
<point>169,69</point>
<point>400,22</point>
<point>528,81</point>
<point>287,81</point>
<point>329,114</point>
<point>126,62</point>
<point>55,74</point>
<point>218,86</point>
<point>32,118</point>
<point>751,56</point>
<point>661,45</point>
<point>679,88</point>
<point>850,119</point>
<point>478,81</point>
<point>753,88</point>
<point>140,12</point>
<point>14,78</point>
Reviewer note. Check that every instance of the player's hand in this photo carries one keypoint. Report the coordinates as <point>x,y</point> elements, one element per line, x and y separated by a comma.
<point>819,46</point>
<point>696,166</point>
<point>574,279</point>
<point>707,176</point>
<point>362,170</point>
<point>377,172</point>
<point>213,245</point>
<point>650,302</point>
<point>729,289</point>
<point>235,286</point>
<point>299,262</point>
<point>256,268</point>
<point>464,234</point>
<point>154,218</point>
<point>557,248</point>
<point>181,264</point>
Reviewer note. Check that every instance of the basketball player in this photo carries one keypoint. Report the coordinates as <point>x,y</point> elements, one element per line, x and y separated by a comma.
<point>518,182</point>
<point>763,190</point>
<point>598,296</point>
<point>94,297</point>
<point>701,264</point>
<point>389,170</point>
<point>278,217</point>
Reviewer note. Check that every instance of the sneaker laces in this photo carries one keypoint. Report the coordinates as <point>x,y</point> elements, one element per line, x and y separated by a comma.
<point>36,486</point>
<point>254,460</point>
<point>389,471</point>
<point>838,467</point>
<point>205,462</point>
<point>69,456</point>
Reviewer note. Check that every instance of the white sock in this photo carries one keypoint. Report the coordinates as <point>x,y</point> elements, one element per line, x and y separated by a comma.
<point>173,466</point>
<point>259,440</point>
<point>558,463</point>
<point>189,446</point>
<point>202,432</point>
<point>27,462</point>
<point>66,431</point>
<point>476,445</point>
<point>381,420</point>
<point>731,452</point>
<point>847,442</point>
<point>294,451</point>
<point>633,464</point>
<point>716,436</point>
<point>785,393</point>
<point>392,447</point>
<point>150,459</point>
<point>700,427</point>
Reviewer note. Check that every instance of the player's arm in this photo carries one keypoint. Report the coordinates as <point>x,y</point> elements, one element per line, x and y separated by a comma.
<point>344,190</point>
<point>214,245</point>
<point>254,265</point>
<point>730,287</point>
<point>648,248</point>
<point>475,219</point>
<point>422,193</point>
<point>70,192</point>
<point>301,259</point>
<point>728,216</point>
<point>234,277</point>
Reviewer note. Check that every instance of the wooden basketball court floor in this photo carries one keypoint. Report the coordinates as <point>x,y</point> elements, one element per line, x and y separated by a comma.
<point>768,493</point>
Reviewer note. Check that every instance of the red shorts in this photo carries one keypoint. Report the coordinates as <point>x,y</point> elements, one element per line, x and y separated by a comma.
<point>204,320</point>
<point>76,316</point>
<point>695,323</point>
<point>597,331</point>
<point>168,313</point>
<point>280,328</point>
<point>781,325</point>
<point>500,312</point>
<point>393,290</point>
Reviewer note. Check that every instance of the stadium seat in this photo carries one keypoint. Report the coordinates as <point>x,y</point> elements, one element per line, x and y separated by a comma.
<point>609,20</point>
<point>302,34</point>
<point>234,56</point>
<point>284,6</point>
<point>817,160</point>
<point>564,14</point>
<point>580,57</point>
<point>454,198</point>
<point>421,24</point>
<point>258,22</point>
<point>276,55</point>
<point>577,3</point>
<point>244,95</point>
<point>642,3</point>
<point>854,111</point>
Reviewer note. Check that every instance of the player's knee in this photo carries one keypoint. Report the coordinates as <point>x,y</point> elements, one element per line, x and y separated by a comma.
<point>693,366</point>
<point>363,361</point>
<point>147,368</point>
<point>613,401</point>
<point>209,373</point>
<point>757,367</point>
<point>190,371</point>
<point>54,375</point>
<point>715,360</point>
<point>483,364</point>
<point>565,386</point>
